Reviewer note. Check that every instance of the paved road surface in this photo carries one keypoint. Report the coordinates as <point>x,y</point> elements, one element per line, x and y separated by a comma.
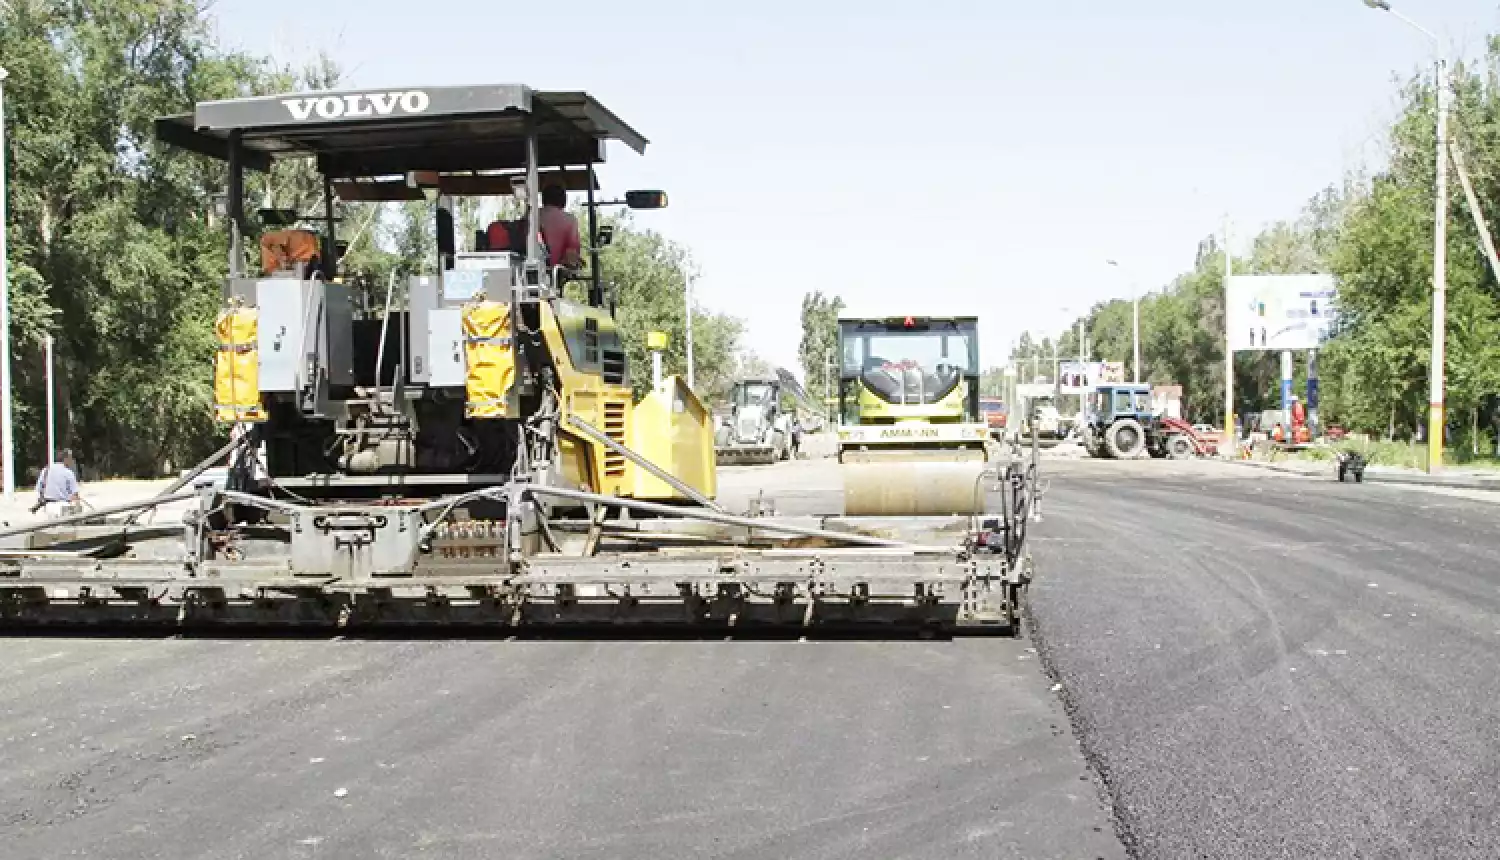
<point>1267,666</point>
<point>543,749</point>
<point>1259,666</point>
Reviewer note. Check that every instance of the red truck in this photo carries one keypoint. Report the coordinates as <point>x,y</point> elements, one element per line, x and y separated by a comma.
<point>993,410</point>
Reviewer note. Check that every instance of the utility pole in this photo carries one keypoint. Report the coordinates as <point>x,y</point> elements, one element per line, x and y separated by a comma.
<point>7,430</point>
<point>1435,381</point>
<point>1056,358</point>
<point>827,389</point>
<point>688,297</point>
<point>1135,325</point>
<point>1230,440</point>
<point>51,422</point>
<point>1135,337</point>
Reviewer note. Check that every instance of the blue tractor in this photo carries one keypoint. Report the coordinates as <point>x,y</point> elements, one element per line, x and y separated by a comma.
<point>1119,423</point>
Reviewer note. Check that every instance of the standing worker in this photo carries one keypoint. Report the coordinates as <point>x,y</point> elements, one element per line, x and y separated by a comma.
<point>57,488</point>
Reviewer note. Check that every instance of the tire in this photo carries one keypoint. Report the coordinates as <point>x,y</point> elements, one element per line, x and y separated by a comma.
<point>1124,439</point>
<point>1179,447</point>
<point>1359,477</point>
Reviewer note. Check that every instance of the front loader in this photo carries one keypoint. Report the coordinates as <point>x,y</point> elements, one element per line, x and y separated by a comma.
<point>756,431</point>
<point>464,448</point>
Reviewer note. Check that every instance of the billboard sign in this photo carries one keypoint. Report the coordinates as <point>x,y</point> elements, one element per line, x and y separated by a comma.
<point>1276,312</point>
<point>1075,377</point>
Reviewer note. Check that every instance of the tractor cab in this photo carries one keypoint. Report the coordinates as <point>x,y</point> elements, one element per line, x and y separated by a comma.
<point>1118,421</point>
<point>1109,403</point>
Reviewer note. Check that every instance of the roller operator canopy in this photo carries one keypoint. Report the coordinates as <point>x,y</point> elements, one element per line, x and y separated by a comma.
<point>360,134</point>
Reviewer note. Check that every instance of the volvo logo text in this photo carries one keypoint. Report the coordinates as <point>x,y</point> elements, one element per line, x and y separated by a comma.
<point>357,104</point>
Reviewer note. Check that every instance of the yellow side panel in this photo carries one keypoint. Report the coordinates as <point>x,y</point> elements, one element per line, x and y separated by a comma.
<point>573,459</point>
<point>603,405</point>
<point>237,366</point>
<point>489,357</point>
<point>672,429</point>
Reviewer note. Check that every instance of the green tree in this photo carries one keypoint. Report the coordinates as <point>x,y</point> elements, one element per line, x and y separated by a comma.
<point>819,346</point>
<point>112,246</point>
<point>648,275</point>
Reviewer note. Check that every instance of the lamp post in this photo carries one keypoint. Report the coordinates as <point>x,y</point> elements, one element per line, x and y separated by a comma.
<point>1135,330</point>
<point>1439,244</point>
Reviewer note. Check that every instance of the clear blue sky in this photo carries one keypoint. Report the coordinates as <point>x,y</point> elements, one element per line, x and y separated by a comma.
<point>986,155</point>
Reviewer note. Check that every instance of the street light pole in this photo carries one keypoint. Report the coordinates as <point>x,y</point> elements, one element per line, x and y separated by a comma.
<point>51,387</point>
<point>1135,329</point>
<point>1056,357</point>
<point>827,390</point>
<point>6,428</point>
<point>688,297</point>
<point>1435,381</point>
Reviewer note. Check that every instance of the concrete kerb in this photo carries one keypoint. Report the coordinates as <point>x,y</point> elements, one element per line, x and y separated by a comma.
<point>1383,475</point>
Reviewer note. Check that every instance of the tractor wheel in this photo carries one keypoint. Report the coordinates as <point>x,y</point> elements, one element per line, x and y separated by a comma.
<point>1179,447</point>
<point>1124,439</point>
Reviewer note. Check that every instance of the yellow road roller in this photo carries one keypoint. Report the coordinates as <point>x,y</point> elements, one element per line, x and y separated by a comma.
<point>911,439</point>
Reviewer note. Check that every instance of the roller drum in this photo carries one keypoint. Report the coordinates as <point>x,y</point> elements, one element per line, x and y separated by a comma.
<point>913,488</point>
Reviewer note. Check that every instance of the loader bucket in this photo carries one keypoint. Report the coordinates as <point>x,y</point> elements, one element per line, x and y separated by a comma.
<point>745,455</point>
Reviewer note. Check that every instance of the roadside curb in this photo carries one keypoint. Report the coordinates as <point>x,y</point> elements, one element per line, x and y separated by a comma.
<point>1454,482</point>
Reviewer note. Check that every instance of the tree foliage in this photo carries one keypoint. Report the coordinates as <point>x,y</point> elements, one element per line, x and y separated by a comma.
<point>115,248</point>
<point>820,339</point>
<point>649,274</point>
<point>112,246</point>
<point>1375,234</point>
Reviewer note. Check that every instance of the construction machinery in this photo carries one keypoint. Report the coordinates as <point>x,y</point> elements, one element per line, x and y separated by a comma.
<point>757,430</point>
<point>911,439</point>
<point>1121,424</point>
<point>995,412</point>
<point>1040,417</point>
<point>464,447</point>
